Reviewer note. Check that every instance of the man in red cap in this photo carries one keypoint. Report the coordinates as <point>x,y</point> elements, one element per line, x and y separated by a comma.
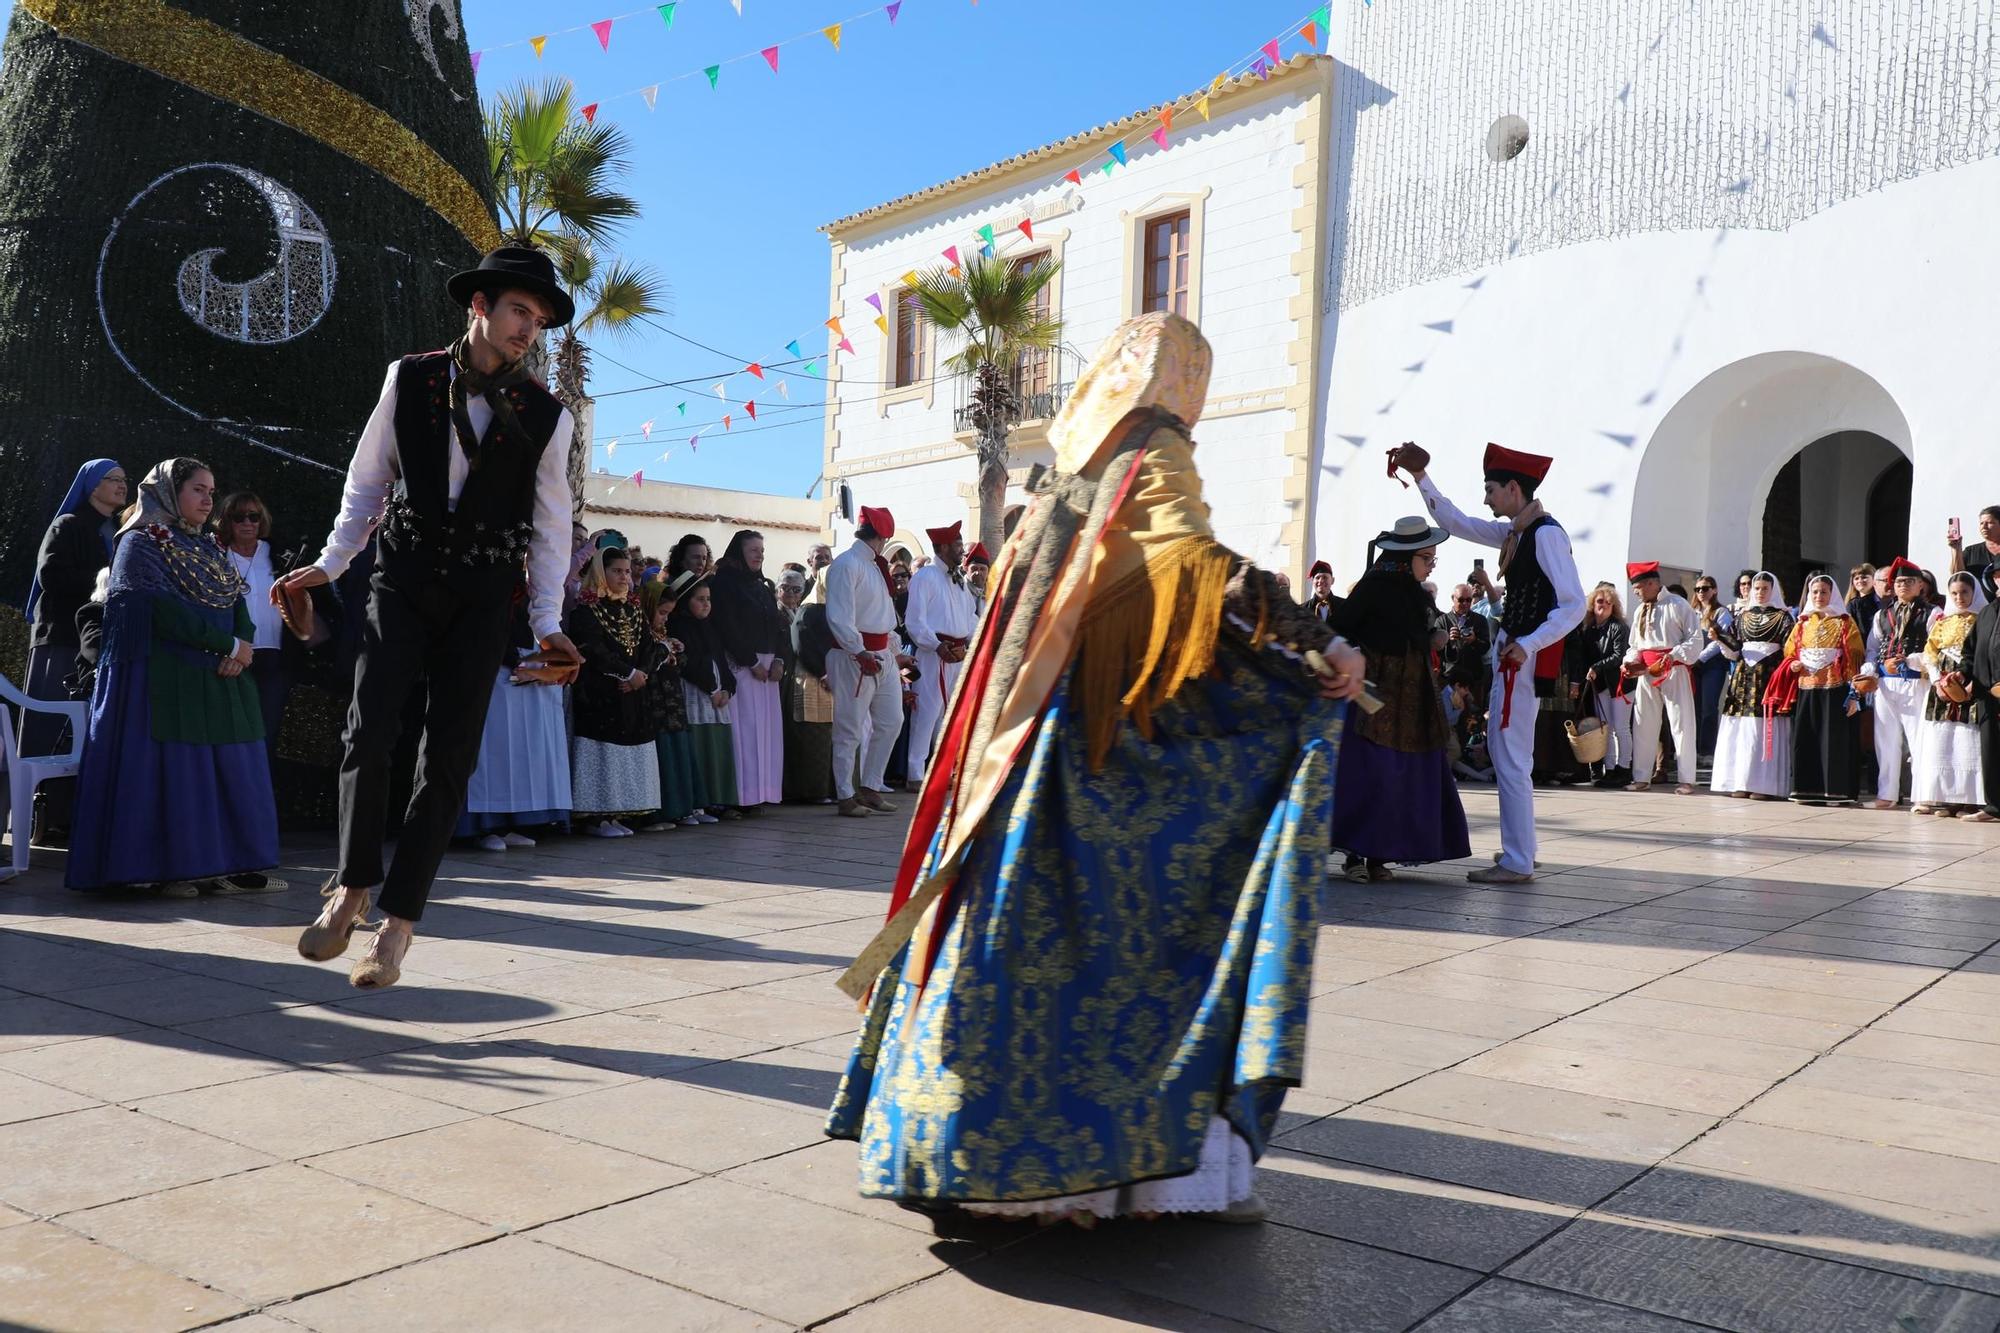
<point>1667,637</point>
<point>1896,643</point>
<point>1322,602</point>
<point>978,563</point>
<point>1544,602</point>
<point>861,668</point>
<point>941,617</point>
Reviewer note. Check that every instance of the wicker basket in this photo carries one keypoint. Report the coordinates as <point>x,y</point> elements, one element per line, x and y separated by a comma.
<point>1588,742</point>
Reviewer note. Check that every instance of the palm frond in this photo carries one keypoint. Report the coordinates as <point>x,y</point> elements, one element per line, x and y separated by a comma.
<point>623,295</point>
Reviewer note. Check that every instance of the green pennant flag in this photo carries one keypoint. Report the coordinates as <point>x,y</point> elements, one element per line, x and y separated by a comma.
<point>812,367</point>
<point>667,13</point>
<point>682,408</point>
<point>986,233</point>
<point>714,72</point>
<point>1323,17</point>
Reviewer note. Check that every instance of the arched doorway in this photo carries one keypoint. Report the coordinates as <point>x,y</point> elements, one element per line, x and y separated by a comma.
<point>1792,436</point>
<point>1837,502</point>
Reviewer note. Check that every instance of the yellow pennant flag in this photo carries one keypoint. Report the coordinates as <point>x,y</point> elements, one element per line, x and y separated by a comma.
<point>538,43</point>
<point>1202,106</point>
<point>910,278</point>
<point>832,34</point>
<point>882,323</point>
<point>1219,80</point>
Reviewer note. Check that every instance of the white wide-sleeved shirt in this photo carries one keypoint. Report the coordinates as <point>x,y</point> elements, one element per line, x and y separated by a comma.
<point>939,606</point>
<point>857,598</point>
<point>255,571</point>
<point>1669,624</point>
<point>371,479</point>
<point>1552,553</point>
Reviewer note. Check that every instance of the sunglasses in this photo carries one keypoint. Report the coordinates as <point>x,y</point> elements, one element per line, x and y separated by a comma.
<point>1708,587</point>
<point>246,518</point>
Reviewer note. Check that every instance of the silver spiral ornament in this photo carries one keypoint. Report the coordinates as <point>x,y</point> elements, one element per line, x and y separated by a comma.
<point>278,304</point>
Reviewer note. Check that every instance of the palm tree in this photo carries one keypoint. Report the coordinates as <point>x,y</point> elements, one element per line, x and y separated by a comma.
<point>555,179</point>
<point>611,300</point>
<point>993,311</point>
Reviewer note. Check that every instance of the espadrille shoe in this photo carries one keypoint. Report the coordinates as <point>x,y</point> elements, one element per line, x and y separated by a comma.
<point>327,937</point>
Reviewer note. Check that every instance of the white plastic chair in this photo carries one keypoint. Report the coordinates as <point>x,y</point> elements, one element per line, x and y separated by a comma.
<point>26,774</point>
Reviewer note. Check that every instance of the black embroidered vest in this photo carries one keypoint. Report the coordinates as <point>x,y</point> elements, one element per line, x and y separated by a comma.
<point>479,546</point>
<point>1530,600</point>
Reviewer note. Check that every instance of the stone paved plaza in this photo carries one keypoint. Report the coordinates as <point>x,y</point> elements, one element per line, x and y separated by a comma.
<point>1727,1065</point>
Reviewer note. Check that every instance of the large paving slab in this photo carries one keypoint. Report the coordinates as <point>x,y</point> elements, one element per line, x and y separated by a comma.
<point>1722,1066</point>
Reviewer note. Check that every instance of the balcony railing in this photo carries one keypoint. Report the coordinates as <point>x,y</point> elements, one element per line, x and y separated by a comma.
<point>1037,389</point>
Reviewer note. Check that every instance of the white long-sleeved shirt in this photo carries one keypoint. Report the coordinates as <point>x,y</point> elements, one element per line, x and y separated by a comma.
<point>1552,553</point>
<point>1669,624</point>
<point>939,606</point>
<point>371,478</point>
<point>857,598</point>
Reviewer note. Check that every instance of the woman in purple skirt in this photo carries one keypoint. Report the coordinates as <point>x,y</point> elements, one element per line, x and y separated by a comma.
<point>1394,798</point>
<point>175,784</point>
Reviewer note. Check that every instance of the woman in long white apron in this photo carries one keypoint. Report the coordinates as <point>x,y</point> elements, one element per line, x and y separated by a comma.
<point>1945,768</point>
<point>1753,748</point>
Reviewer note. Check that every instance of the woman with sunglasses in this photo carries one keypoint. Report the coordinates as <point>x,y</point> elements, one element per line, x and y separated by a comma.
<point>1711,669</point>
<point>243,529</point>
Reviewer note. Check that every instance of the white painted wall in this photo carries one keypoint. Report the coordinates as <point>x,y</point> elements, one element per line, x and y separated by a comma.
<point>666,511</point>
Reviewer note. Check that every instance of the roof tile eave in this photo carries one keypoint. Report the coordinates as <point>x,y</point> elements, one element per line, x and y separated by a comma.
<point>1245,82</point>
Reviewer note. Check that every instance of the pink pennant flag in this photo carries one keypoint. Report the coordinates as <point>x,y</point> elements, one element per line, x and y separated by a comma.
<point>475,60</point>
<point>874,300</point>
<point>647,430</point>
<point>847,347</point>
<point>603,30</point>
<point>589,114</point>
<point>1270,49</point>
<point>895,8</point>
<point>751,408</point>
<point>1160,137</point>
<point>639,477</point>
<point>951,253</point>
<point>771,57</point>
<point>755,368</point>
<point>1028,228</point>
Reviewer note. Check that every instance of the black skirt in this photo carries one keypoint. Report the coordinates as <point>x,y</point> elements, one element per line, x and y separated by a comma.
<point>1826,747</point>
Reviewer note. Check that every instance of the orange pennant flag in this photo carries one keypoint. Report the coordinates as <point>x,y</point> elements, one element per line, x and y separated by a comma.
<point>1310,32</point>
<point>832,34</point>
<point>834,324</point>
<point>725,421</point>
<point>1167,119</point>
<point>538,43</point>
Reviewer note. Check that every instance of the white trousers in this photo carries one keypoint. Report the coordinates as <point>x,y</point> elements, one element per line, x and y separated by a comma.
<point>1616,714</point>
<point>1512,749</point>
<point>867,717</point>
<point>1899,712</point>
<point>1673,696</point>
<point>934,687</point>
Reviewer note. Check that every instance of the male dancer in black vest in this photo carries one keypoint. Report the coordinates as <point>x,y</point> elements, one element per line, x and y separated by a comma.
<point>1544,602</point>
<point>464,461</point>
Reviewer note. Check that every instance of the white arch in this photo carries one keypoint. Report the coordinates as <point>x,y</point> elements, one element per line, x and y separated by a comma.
<point>1708,468</point>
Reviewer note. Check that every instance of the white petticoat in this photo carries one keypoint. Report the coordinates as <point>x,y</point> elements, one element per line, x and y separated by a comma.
<point>1223,1177</point>
<point>1945,768</point>
<point>1740,764</point>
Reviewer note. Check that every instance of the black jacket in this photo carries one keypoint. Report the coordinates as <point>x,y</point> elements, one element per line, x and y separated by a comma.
<point>1600,648</point>
<point>1982,661</point>
<point>72,553</point>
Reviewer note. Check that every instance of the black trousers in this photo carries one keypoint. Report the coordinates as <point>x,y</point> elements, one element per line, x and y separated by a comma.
<point>419,633</point>
<point>1989,756</point>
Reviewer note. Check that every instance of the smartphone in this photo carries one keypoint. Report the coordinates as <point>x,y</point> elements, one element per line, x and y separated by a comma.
<point>1957,534</point>
<point>1479,561</point>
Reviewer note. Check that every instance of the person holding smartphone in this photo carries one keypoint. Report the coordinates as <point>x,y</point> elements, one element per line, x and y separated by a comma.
<point>1982,558</point>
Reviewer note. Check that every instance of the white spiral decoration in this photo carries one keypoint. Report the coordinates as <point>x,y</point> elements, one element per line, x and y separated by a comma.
<point>278,304</point>
<point>420,29</point>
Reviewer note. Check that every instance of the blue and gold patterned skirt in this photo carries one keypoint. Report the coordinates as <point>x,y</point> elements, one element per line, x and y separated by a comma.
<point>1128,953</point>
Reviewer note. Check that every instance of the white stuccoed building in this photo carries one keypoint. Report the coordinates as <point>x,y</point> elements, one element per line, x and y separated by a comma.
<point>1728,263</point>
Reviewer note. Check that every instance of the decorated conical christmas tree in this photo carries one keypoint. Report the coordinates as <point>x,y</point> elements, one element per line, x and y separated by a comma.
<point>219,221</point>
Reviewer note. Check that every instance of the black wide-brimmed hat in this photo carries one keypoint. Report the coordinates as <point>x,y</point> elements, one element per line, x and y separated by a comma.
<point>516,266</point>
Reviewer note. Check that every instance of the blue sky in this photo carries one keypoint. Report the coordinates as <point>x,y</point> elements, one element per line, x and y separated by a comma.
<point>736,182</point>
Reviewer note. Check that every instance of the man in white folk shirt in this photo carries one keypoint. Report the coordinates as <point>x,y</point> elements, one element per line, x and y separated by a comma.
<point>1896,642</point>
<point>861,669</point>
<point>1667,637</point>
<point>941,617</point>
<point>464,461</point>
<point>1544,603</point>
